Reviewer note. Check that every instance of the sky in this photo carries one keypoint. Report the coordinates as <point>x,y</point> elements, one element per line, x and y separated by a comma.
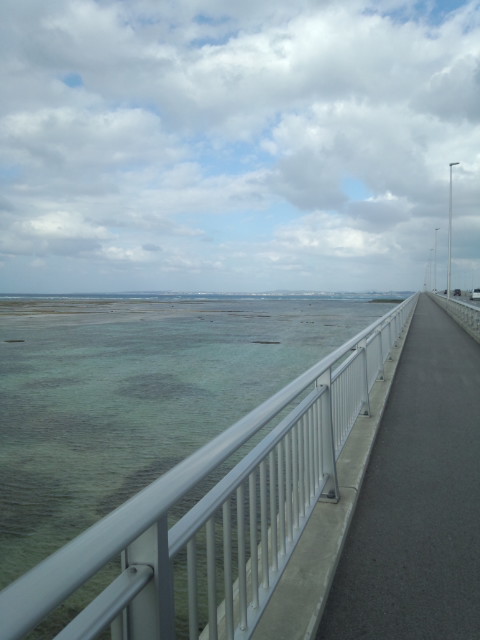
<point>160,145</point>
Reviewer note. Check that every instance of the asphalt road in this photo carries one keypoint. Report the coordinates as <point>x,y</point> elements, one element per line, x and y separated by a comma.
<point>410,568</point>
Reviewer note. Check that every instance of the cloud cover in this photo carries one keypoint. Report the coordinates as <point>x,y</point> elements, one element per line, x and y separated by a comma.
<point>238,146</point>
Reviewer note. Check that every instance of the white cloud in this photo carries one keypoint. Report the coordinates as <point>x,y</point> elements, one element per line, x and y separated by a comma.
<point>72,139</point>
<point>210,144</point>
<point>132,254</point>
<point>326,235</point>
<point>62,224</point>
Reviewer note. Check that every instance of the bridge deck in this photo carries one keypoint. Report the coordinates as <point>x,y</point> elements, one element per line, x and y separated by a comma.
<point>410,567</point>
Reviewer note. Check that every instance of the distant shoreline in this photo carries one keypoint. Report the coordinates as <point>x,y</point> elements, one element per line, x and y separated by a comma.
<point>209,295</point>
<point>42,310</point>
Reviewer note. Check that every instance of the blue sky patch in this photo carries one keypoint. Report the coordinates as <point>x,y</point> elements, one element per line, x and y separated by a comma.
<point>235,159</point>
<point>219,39</point>
<point>434,13</point>
<point>355,189</point>
<point>10,173</point>
<point>73,80</point>
<point>202,18</point>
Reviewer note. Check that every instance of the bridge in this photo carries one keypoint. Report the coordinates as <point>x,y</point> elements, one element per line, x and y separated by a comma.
<point>409,566</point>
<point>258,555</point>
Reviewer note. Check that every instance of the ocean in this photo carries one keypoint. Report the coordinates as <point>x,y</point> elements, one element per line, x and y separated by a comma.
<point>102,394</point>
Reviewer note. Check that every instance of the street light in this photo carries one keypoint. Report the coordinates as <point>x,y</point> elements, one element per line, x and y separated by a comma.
<point>435,262</point>
<point>449,275</point>
<point>430,278</point>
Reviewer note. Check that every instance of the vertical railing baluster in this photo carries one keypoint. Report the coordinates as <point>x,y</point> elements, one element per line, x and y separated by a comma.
<point>281,496</point>
<point>227,569</point>
<point>301,466</point>
<point>311,463</point>
<point>289,484</point>
<point>252,490</point>
<point>338,408</point>
<point>211,579</point>
<point>264,524</point>
<point>242,558</point>
<point>306,458</point>
<point>272,482</point>
<point>316,446</point>
<point>295,496</point>
<point>192,588</point>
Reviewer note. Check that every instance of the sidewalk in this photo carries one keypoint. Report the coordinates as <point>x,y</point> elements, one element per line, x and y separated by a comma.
<point>410,567</point>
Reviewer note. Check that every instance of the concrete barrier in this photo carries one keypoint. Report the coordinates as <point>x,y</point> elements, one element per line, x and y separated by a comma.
<point>464,314</point>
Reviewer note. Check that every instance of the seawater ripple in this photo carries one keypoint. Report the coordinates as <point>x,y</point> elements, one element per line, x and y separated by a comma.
<point>102,395</point>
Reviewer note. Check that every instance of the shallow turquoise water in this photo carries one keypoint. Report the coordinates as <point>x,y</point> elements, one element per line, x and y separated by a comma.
<point>96,405</point>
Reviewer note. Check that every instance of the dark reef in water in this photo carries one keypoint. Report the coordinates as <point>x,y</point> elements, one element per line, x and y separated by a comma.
<point>390,300</point>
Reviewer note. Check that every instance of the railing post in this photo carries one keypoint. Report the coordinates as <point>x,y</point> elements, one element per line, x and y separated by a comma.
<point>330,491</point>
<point>151,615</point>
<point>380,371</point>
<point>397,329</point>
<point>391,340</point>
<point>362,347</point>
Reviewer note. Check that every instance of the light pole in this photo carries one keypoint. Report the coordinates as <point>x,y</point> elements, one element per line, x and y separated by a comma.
<point>430,278</point>
<point>449,274</point>
<point>435,262</point>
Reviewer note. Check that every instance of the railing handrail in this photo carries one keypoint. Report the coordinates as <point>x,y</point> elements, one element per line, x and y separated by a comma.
<point>191,521</point>
<point>48,584</point>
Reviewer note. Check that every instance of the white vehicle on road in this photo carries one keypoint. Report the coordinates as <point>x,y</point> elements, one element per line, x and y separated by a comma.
<point>475,295</point>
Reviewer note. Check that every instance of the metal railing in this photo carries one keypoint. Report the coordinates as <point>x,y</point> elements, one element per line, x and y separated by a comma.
<point>211,573</point>
<point>465,314</point>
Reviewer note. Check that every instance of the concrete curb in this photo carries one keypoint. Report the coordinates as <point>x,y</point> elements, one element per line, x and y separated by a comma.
<point>297,605</point>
